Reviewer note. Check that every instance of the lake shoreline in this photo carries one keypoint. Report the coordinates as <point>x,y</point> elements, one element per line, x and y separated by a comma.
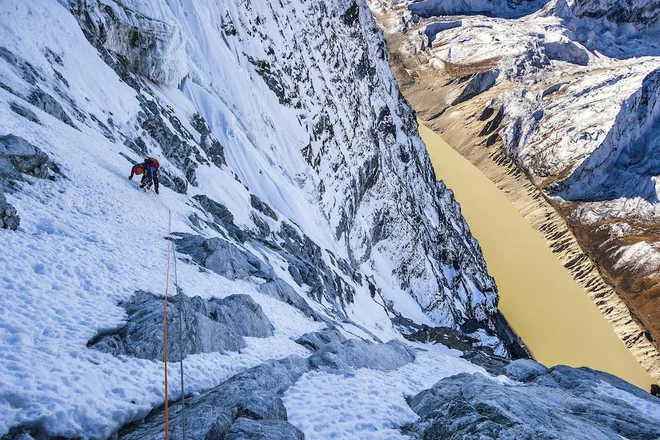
<point>559,250</point>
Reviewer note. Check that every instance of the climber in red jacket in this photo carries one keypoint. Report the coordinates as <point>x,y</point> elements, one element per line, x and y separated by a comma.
<point>150,171</point>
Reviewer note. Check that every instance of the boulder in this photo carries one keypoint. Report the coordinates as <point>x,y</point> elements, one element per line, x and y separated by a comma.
<point>353,354</point>
<point>9,218</point>
<point>524,370</point>
<point>215,325</point>
<point>18,156</point>
<point>228,410</point>
<point>222,257</point>
<point>247,429</point>
<point>316,340</point>
<point>559,403</point>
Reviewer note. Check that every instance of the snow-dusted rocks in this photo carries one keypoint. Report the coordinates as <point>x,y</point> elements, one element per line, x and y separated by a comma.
<point>640,13</point>
<point>253,394</point>
<point>208,326</point>
<point>18,156</point>
<point>9,218</point>
<point>353,354</point>
<point>561,402</point>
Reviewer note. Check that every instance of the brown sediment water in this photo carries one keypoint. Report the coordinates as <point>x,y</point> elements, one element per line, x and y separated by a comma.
<point>538,296</point>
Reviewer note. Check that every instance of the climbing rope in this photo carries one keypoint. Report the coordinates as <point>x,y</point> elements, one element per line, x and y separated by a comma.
<point>171,252</point>
<point>167,289</point>
<point>183,395</point>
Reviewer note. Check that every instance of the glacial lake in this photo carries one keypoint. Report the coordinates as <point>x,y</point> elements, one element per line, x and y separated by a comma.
<point>539,298</point>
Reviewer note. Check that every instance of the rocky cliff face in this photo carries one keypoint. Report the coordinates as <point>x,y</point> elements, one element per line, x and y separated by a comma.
<point>363,162</point>
<point>639,13</point>
<point>564,98</point>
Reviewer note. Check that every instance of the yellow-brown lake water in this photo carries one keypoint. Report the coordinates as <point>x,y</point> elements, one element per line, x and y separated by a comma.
<point>538,296</point>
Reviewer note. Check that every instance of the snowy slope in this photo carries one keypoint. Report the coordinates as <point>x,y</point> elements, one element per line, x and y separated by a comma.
<point>281,133</point>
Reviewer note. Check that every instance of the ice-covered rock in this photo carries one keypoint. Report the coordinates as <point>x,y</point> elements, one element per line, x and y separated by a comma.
<point>558,403</point>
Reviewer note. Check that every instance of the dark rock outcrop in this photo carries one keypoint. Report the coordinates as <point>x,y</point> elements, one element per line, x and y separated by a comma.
<point>316,340</point>
<point>253,394</point>
<point>248,429</point>
<point>262,207</point>
<point>222,257</point>
<point>353,354</point>
<point>277,288</point>
<point>214,325</point>
<point>50,105</point>
<point>556,403</point>
<point>221,217</point>
<point>9,218</point>
<point>18,156</point>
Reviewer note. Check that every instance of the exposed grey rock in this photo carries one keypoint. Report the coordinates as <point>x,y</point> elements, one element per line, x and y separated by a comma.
<point>22,111</point>
<point>208,142</point>
<point>353,354</point>
<point>307,266</point>
<point>9,218</point>
<point>559,403</point>
<point>316,340</point>
<point>640,13</point>
<point>247,429</point>
<point>20,156</point>
<point>524,370</point>
<point>50,105</point>
<point>478,83</point>
<point>446,336</point>
<point>222,216</point>
<point>279,289</point>
<point>242,315</point>
<point>253,394</point>
<point>165,129</point>
<point>8,56</point>
<point>262,207</point>
<point>222,257</point>
<point>495,365</point>
<point>215,325</point>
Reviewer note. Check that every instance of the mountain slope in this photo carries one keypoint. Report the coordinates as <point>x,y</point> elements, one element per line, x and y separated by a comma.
<point>306,240</point>
<point>559,108</point>
<point>296,170</point>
